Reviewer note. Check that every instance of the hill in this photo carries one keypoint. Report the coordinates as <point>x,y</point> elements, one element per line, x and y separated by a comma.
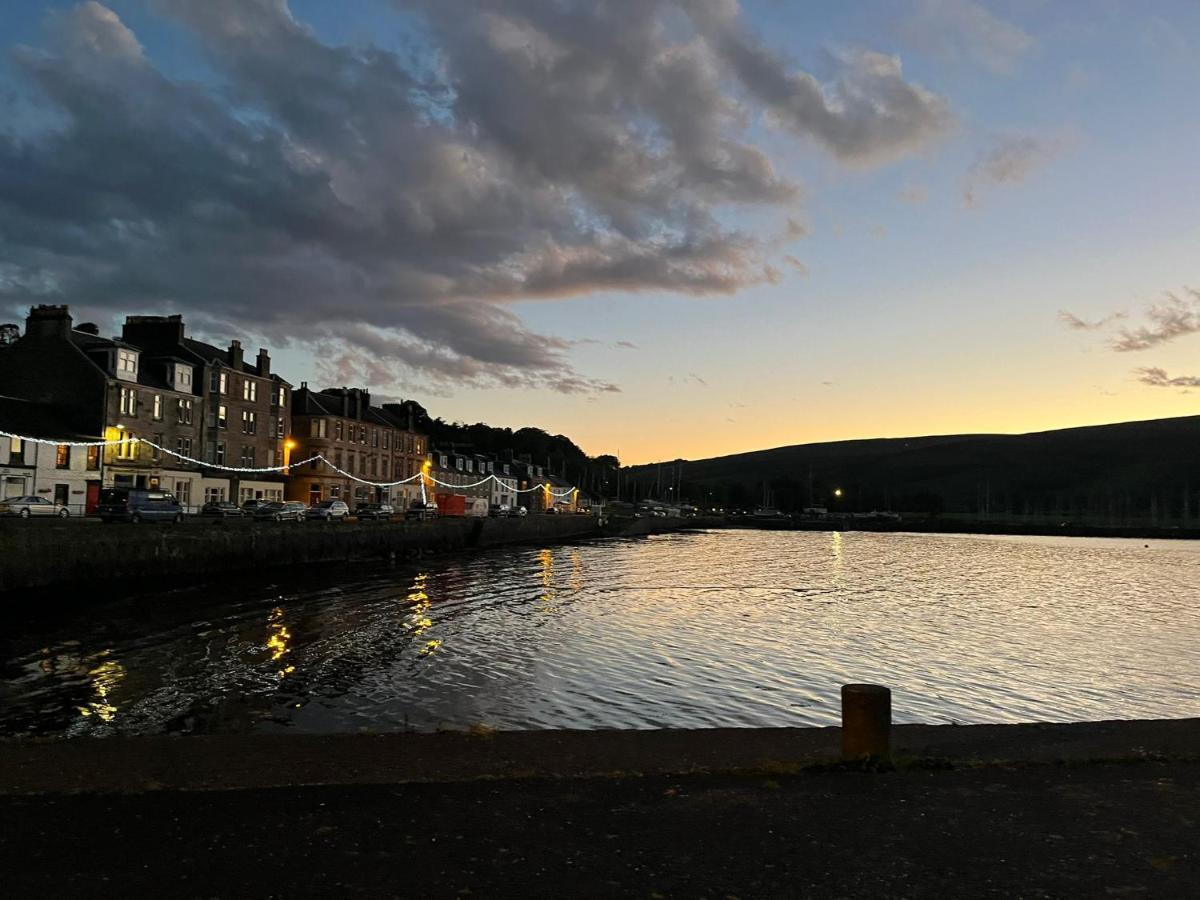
<point>1148,469</point>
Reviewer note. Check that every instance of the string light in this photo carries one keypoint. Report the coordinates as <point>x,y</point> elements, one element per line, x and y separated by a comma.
<point>129,439</point>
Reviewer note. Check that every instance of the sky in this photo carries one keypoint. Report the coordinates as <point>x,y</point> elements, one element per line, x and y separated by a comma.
<point>665,228</point>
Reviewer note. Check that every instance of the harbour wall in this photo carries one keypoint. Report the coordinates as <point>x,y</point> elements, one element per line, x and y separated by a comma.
<point>88,554</point>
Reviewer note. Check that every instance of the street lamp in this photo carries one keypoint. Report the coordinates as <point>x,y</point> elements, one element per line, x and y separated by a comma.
<point>288,446</point>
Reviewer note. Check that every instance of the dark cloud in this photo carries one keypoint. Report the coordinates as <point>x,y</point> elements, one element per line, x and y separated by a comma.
<point>1074,322</point>
<point>1156,377</point>
<point>383,206</point>
<point>1173,318</point>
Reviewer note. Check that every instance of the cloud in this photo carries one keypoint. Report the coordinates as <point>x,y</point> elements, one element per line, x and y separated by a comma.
<point>965,31</point>
<point>626,345</point>
<point>1009,159</point>
<point>1073,321</point>
<point>1173,318</point>
<point>385,206</point>
<point>799,267</point>
<point>1156,377</point>
<point>914,195</point>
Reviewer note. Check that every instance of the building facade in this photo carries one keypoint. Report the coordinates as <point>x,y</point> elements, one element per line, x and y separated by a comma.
<point>360,440</point>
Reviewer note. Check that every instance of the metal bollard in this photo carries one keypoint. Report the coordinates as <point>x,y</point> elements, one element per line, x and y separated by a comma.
<point>866,721</point>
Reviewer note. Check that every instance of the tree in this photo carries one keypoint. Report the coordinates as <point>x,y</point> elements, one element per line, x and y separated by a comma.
<point>9,334</point>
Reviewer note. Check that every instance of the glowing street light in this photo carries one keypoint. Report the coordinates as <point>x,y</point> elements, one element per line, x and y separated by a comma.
<point>288,446</point>
<point>837,492</point>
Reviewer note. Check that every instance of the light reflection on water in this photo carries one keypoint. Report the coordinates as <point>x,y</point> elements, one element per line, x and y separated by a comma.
<point>692,630</point>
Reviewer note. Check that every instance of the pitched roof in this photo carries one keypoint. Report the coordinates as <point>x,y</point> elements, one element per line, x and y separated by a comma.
<point>37,420</point>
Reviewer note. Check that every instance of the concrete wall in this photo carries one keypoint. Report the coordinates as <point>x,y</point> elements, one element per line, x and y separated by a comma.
<point>91,555</point>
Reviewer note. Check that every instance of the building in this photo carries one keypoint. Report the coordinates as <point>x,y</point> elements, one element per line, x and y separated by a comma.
<point>245,409</point>
<point>360,440</point>
<point>68,475</point>
<point>460,473</point>
<point>504,488</point>
<point>109,389</point>
<point>175,408</point>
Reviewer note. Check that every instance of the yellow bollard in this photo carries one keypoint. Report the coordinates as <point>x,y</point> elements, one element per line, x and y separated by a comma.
<point>866,721</point>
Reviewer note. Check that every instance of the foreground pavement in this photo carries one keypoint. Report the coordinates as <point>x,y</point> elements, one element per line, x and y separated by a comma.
<point>1091,810</point>
<point>1097,830</point>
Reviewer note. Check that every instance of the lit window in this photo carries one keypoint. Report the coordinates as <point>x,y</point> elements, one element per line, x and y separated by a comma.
<point>62,457</point>
<point>220,453</point>
<point>184,409</point>
<point>249,390</point>
<point>157,406</point>
<point>249,422</point>
<point>128,402</point>
<point>282,398</point>
<point>127,449</point>
<point>223,383</point>
<point>127,362</point>
<point>222,417</point>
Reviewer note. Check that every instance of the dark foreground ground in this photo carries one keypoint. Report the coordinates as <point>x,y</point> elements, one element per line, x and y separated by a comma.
<point>965,824</point>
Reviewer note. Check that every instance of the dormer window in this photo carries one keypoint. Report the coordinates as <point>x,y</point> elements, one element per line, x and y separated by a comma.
<point>181,377</point>
<point>127,365</point>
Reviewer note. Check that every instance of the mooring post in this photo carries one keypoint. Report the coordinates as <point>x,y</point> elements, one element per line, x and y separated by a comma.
<point>866,721</point>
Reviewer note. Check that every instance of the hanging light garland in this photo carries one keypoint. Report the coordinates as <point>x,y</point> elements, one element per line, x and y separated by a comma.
<point>315,458</point>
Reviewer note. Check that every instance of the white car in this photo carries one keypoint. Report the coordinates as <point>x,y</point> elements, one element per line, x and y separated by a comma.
<point>32,506</point>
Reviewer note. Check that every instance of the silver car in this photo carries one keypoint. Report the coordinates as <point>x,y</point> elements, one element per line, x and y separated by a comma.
<point>32,506</point>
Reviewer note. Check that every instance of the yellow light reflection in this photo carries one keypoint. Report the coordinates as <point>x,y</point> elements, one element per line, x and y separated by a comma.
<point>549,593</point>
<point>576,572</point>
<point>838,549</point>
<point>420,622</point>
<point>277,634</point>
<point>105,678</point>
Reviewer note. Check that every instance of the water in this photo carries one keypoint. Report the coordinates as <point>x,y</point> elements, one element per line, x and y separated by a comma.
<point>723,628</point>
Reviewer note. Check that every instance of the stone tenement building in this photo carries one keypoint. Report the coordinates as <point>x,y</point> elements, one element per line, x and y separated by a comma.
<point>366,441</point>
<point>154,384</point>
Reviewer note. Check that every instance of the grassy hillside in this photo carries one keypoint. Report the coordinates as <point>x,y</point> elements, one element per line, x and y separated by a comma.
<point>1147,469</point>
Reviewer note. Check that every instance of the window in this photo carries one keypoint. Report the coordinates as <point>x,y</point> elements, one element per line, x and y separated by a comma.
<point>183,446</point>
<point>127,449</point>
<point>316,428</point>
<point>184,410</point>
<point>281,396</point>
<point>155,453</point>
<point>337,458</point>
<point>362,434</point>
<point>281,428</point>
<point>222,417</point>
<point>127,362</point>
<point>458,464</point>
<point>337,429</point>
<point>470,465</point>
<point>128,402</point>
<point>220,460</point>
<point>183,492</point>
<point>156,406</point>
<point>349,460</point>
<point>214,494</point>
<point>249,390</point>
<point>62,457</point>
<point>247,455</point>
<point>271,426</point>
<point>223,383</point>
<point>249,422</point>
<point>387,440</point>
<point>374,437</point>
<point>417,447</point>
<point>93,458</point>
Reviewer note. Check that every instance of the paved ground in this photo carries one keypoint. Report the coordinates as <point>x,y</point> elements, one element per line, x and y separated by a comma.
<point>1090,830</point>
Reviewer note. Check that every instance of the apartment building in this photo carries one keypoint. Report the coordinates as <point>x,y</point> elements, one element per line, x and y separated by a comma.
<point>245,409</point>
<point>360,441</point>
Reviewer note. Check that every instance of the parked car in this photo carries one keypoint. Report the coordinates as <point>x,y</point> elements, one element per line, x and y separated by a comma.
<point>520,511</point>
<point>281,511</point>
<point>328,511</point>
<point>32,506</point>
<point>138,505</point>
<point>419,510</point>
<point>221,509</point>
<point>250,506</point>
<point>499,511</point>
<point>366,511</point>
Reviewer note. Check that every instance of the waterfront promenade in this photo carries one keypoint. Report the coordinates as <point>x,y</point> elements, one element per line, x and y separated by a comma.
<point>1087,810</point>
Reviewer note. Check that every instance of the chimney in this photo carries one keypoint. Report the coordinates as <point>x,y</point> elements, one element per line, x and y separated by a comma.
<point>159,333</point>
<point>264,362</point>
<point>235,356</point>
<point>48,322</point>
<point>88,328</point>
